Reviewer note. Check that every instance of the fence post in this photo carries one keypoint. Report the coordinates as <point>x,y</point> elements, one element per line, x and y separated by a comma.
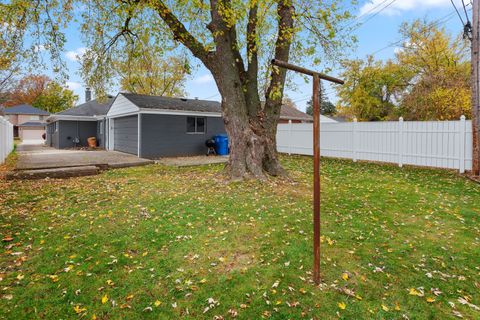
<point>354,134</point>
<point>3,140</point>
<point>290,143</point>
<point>400,142</point>
<point>461,149</point>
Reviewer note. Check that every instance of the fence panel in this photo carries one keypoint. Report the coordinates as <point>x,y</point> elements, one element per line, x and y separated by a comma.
<point>6,139</point>
<point>440,144</point>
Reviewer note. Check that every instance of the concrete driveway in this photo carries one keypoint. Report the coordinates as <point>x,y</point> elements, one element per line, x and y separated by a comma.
<point>36,157</point>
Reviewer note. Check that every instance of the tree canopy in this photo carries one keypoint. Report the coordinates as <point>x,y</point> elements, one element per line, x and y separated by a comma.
<point>326,107</point>
<point>427,80</point>
<point>41,92</point>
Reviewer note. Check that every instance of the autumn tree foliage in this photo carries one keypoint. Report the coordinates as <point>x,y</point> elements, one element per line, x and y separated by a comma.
<point>234,39</point>
<point>370,89</point>
<point>439,87</point>
<point>152,74</point>
<point>427,80</point>
<point>41,92</point>
<point>27,90</point>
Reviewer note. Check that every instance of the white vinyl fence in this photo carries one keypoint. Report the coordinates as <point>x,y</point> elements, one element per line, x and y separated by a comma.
<point>6,138</point>
<point>441,144</point>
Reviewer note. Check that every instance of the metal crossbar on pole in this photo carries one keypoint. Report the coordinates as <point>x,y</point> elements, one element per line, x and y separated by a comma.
<point>316,156</point>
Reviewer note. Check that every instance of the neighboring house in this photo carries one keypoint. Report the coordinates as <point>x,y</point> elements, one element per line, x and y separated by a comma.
<point>28,122</point>
<point>72,127</point>
<point>289,113</point>
<point>143,125</point>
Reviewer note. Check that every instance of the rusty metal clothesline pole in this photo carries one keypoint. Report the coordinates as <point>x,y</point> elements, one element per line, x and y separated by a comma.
<point>316,156</point>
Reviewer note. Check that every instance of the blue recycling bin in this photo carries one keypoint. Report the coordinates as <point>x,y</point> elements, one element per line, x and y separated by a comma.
<point>221,144</point>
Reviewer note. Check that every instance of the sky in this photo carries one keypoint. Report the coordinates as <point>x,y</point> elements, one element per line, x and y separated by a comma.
<point>380,21</point>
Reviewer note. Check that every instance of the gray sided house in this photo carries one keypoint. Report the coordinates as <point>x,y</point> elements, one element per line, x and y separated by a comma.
<point>71,128</point>
<point>153,127</point>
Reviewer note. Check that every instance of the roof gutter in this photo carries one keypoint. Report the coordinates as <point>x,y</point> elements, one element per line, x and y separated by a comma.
<point>180,112</point>
<point>62,117</point>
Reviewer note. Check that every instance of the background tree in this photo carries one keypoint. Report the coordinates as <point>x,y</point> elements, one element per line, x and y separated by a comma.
<point>151,73</point>
<point>27,90</point>
<point>369,93</point>
<point>287,101</point>
<point>41,92</point>
<point>10,53</point>
<point>326,107</point>
<point>439,88</point>
<point>55,98</point>
<point>427,80</point>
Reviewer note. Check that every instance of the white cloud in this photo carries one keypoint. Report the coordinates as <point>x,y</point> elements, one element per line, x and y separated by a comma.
<point>397,50</point>
<point>39,48</point>
<point>205,79</point>
<point>76,55</point>
<point>73,85</point>
<point>399,6</point>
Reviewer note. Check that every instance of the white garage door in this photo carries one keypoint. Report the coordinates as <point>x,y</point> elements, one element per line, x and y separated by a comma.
<point>31,134</point>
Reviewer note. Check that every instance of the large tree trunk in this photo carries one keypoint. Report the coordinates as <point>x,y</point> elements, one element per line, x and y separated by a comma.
<point>252,138</point>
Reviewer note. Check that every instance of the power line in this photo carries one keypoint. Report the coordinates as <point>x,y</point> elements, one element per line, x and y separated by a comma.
<point>365,14</point>
<point>376,13</point>
<point>436,23</point>
<point>217,94</point>
<point>465,10</point>
<point>458,13</point>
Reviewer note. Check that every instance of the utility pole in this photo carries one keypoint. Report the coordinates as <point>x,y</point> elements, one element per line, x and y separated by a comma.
<point>475,87</point>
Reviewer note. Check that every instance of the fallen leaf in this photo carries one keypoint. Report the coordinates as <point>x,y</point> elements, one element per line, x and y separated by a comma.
<point>415,292</point>
<point>104,299</point>
<point>79,309</point>
<point>342,305</point>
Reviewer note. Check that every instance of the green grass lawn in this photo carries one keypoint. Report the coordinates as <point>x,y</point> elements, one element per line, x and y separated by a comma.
<point>158,242</point>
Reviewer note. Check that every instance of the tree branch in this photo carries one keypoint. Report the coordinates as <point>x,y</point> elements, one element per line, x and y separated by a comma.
<point>253,100</point>
<point>180,32</point>
<point>274,94</point>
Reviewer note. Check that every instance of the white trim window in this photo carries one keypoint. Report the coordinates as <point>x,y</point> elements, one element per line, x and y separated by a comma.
<point>35,117</point>
<point>101,128</point>
<point>196,125</point>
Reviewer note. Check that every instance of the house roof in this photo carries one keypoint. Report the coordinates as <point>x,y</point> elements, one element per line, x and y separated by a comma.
<point>290,113</point>
<point>32,124</point>
<point>90,108</point>
<point>168,103</point>
<point>25,109</point>
<point>158,102</point>
<point>339,118</point>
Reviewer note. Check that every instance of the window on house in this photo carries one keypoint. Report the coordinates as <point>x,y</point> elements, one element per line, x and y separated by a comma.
<point>101,127</point>
<point>34,118</point>
<point>196,124</point>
